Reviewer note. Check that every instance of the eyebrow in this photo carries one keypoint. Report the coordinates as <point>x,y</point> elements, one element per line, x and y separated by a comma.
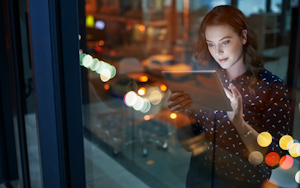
<point>220,39</point>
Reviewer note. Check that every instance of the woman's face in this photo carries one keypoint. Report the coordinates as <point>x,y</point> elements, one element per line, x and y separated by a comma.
<point>226,46</point>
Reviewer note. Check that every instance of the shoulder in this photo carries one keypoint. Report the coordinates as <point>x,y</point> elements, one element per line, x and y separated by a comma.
<point>268,78</point>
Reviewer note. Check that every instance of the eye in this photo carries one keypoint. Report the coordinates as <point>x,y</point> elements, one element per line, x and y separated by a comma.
<point>210,44</point>
<point>225,42</point>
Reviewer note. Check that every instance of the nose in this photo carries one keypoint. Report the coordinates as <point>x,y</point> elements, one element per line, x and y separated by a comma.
<point>219,49</point>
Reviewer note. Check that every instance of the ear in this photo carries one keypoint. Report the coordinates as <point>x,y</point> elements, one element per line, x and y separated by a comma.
<point>244,35</point>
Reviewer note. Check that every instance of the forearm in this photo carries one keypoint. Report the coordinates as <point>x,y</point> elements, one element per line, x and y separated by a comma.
<point>250,140</point>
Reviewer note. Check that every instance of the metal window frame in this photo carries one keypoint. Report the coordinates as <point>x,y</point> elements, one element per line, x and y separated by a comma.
<point>54,45</point>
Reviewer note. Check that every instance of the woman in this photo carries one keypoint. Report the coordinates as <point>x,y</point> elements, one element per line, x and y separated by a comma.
<point>259,100</point>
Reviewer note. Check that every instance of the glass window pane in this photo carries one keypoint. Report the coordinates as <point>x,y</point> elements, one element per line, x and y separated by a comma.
<point>131,135</point>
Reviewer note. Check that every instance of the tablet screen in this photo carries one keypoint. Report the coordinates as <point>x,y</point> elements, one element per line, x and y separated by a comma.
<point>203,87</point>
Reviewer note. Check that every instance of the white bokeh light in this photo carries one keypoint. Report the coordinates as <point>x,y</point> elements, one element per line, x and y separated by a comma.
<point>130,98</point>
<point>105,75</point>
<point>138,105</point>
<point>155,97</point>
<point>87,60</point>
<point>297,177</point>
<point>146,106</point>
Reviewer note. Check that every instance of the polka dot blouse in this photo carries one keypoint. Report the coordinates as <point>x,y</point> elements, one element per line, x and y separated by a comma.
<point>267,110</point>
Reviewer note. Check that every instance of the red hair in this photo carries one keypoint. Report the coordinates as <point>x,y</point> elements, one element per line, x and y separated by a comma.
<point>229,15</point>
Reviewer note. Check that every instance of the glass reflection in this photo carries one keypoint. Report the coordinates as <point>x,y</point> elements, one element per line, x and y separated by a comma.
<point>129,113</point>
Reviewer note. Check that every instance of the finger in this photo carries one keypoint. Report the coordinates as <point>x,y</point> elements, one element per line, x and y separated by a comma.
<point>176,101</point>
<point>181,109</point>
<point>174,95</point>
<point>182,105</point>
<point>228,93</point>
<point>235,91</point>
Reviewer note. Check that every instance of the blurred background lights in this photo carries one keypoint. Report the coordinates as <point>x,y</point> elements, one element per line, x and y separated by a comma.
<point>147,117</point>
<point>146,106</point>
<point>95,64</point>
<point>264,139</point>
<point>90,21</point>
<point>155,97</point>
<point>297,177</point>
<point>101,42</point>
<point>142,91</point>
<point>163,87</point>
<point>106,87</point>
<point>173,116</point>
<point>272,159</point>
<point>286,162</point>
<point>138,105</point>
<point>130,98</point>
<point>143,79</point>
<point>87,61</point>
<point>284,141</point>
<point>293,150</point>
<point>113,71</point>
<point>99,24</point>
<point>142,28</point>
<point>256,158</point>
<point>105,75</point>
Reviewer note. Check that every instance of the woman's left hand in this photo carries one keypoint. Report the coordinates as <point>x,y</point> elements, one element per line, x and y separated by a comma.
<point>235,116</point>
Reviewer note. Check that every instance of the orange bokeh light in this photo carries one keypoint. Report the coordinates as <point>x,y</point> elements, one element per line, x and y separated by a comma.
<point>163,87</point>
<point>142,28</point>
<point>101,43</point>
<point>106,87</point>
<point>272,159</point>
<point>147,117</point>
<point>286,162</point>
<point>143,79</point>
<point>150,162</point>
<point>142,91</point>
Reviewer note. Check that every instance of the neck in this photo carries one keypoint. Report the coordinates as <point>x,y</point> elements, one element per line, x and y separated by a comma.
<point>235,71</point>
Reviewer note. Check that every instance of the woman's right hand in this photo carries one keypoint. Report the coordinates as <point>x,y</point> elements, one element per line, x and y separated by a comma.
<point>179,102</point>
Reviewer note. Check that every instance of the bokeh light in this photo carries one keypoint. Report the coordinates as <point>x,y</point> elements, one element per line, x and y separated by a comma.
<point>142,28</point>
<point>101,67</point>
<point>138,105</point>
<point>142,91</point>
<point>105,75</point>
<point>146,107</point>
<point>90,21</point>
<point>256,158</point>
<point>297,177</point>
<point>286,162</point>
<point>87,61</point>
<point>173,116</point>
<point>293,149</point>
<point>272,159</point>
<point>264,139</point>
<point>101,42</point>
<point>147,117</point>
<point>130,98</point>
<point>155,97</point>
<point>143,79</point>
<point>95,64</point>
<point>106,87</point>
<point>284,141</point>
<point>163,87</point>
<point>113,71</point>
<point>150,162</point>
<point>99,24</point>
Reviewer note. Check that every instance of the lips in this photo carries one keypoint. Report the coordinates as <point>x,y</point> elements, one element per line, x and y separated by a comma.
<point>222,60</point>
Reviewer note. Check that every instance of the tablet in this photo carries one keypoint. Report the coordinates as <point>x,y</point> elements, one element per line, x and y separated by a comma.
<point>203,86</point>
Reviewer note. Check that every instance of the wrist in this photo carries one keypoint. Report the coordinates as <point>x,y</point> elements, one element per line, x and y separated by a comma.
<point>238,122</point>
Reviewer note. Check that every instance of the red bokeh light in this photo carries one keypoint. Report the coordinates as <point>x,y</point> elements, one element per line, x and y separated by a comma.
<point>272,159</point>
<point>286,162</point>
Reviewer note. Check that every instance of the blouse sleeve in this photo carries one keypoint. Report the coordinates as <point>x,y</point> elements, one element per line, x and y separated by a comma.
<point>276,117</point>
